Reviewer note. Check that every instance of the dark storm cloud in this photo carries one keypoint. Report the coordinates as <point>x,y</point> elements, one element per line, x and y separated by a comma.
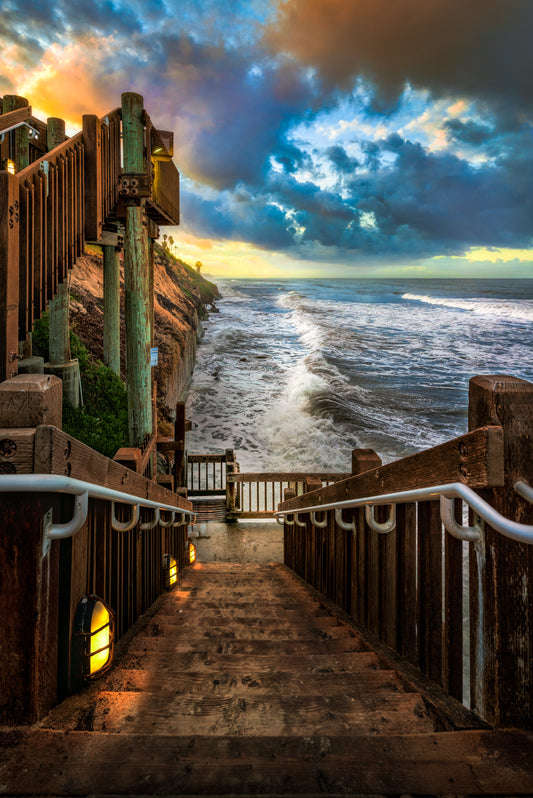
<point>467,132</point>
<point>424,204</point>
<point>478,47</point>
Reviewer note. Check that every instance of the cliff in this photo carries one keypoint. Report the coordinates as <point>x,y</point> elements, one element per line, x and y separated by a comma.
<point>182,298</point>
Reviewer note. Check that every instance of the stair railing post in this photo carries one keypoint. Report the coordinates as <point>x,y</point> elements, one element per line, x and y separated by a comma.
<point>501,588</point>
<point>136,274</point>
<point>112,307</point>
<point>21,152</point>
<point>61,363</point>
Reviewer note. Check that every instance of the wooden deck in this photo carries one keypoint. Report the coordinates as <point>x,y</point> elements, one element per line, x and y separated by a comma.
<point>243,681</point>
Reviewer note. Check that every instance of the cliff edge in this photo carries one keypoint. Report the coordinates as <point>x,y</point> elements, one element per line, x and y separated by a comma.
<point>182,298</point>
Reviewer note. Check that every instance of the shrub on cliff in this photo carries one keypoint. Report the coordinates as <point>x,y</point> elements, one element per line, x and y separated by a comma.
<point>102,422</point>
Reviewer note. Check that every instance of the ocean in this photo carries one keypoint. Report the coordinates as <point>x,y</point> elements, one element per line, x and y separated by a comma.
<point>294,374</point>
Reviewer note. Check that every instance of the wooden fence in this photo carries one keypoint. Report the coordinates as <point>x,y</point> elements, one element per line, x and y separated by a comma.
<point>257,495</point>
<point>62,197</point>
<point>39,594</point>
<point>415,587</point>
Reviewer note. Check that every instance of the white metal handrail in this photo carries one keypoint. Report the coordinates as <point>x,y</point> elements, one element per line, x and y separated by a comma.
<point>523,533</point>
<point>83,491</point>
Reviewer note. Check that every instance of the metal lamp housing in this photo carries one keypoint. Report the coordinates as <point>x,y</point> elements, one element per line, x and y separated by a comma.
<point>170,571</point>
<point>92,640</point>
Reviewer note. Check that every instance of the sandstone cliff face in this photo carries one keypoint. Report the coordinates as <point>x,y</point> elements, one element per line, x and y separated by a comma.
<point>181,297</point>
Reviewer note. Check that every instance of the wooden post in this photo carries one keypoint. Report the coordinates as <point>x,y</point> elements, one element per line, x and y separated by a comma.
<point>501,604</point>
<point>9,274</point>
<point>136,268</point>
<point>112,308</point>
<point>59,327</point>
<point>92,140</point>
<point>55,132</point>
<point>21,154</point>
<point>59,305</point>
<point>364,460</point>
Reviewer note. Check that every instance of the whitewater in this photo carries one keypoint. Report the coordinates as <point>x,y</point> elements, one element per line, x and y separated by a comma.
<point>294,374</point>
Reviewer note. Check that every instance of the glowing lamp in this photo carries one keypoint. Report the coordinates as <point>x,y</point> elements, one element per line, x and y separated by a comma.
<point>170,570</point>
<point>9,166</point>
<point>192,553</point>
<point>92,640</point>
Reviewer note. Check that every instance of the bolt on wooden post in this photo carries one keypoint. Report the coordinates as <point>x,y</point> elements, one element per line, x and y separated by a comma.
<point>136,272</point>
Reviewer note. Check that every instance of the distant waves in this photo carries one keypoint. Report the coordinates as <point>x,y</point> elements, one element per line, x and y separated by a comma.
<point>294,374</point>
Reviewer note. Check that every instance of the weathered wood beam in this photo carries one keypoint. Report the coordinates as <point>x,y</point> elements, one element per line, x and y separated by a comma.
<point>475,459</point>
<point>274,476</point>
<point>136,279</point>
<point>112,308</point>
<point>16,117</point>
<point>58,453</point>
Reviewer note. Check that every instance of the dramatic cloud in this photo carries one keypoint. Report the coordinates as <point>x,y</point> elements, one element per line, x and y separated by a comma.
<point>331,130</point>
<point>478,47</point>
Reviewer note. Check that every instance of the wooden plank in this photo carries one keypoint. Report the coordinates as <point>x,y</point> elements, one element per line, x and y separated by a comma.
<point>407,582</point>
<point>453,611</point>
<point>272,476</point>
<point>389,594</point>
<point>16,451</point>
<point>25,273</point>
<point>28,609</point>
<point>430,589</point>
<point>9,274</point>
<point>58,453</point>
<point>16,117</point>
<point>475,459</point>
<point>93,177</point>
<point>470,763</point>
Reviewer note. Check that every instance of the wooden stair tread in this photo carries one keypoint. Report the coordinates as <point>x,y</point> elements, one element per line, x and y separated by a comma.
<point>243,663</point>
<point>468,763</point>
<point>241,631</point>
<point>260,683</point>
<point>320,645</point>
<point>145,712</point>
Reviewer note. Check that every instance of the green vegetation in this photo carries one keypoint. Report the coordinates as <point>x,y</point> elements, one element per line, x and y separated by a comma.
<point>102,423</point>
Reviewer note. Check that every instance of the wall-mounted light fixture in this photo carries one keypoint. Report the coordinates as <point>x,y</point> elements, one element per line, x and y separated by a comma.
<point>192,552</point>
<point>170,570</point>
<point>92,640</point>
<point>9,166</point>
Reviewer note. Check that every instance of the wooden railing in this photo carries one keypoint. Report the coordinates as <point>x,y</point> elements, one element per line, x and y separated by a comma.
<point>39,594</point>
<point>49,209</point>
<point>206,473</point>
<point>257,495</point>
<point>446,606</point>
<point>51,226</point>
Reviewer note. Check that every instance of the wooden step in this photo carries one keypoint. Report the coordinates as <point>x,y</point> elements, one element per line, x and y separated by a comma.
<point>468,763</point>
<point>321,644</point>
<point>242,631</point>
<point>192,617</point>
<point>145,713</point>
<point>249,664</point>
<point>225,683</point>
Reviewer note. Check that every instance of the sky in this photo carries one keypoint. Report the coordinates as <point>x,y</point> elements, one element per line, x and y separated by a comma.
<point>341,138</point>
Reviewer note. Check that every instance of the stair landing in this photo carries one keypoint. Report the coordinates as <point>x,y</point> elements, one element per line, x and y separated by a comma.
<point>244,682</point>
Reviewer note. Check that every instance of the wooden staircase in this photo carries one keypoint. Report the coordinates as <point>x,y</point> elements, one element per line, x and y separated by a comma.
<point>244,682</point>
